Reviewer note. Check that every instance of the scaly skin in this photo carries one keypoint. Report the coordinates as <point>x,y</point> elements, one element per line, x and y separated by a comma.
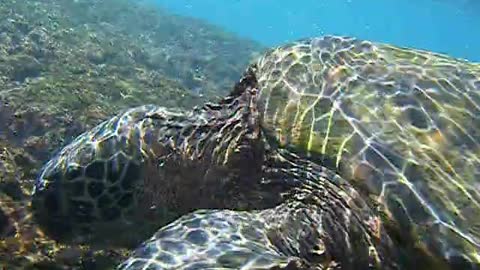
<point>325,156</point>
<point>213,157</point>
<point>322,224</point>
<point>153,164</point>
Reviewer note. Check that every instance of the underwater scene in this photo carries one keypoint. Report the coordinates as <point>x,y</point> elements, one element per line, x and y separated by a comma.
<point>239,134</point>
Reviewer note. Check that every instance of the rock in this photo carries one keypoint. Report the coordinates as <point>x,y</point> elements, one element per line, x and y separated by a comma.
<point>23,67</point>
<point>4,222</point>
<point>67,65</point>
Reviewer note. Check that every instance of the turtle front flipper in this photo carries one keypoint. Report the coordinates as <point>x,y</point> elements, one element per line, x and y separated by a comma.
<point>213,239</point>
<point>321,224</point>
<point>324,220</point>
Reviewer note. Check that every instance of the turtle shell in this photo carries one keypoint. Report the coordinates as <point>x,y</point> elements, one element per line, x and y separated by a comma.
<point>402,125</point>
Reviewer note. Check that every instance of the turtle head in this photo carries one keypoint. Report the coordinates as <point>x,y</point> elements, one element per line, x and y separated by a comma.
<point>154,164</point>
<point>97,179</point>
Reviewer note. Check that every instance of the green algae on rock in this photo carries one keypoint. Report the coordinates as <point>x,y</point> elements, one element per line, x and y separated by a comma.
<point>67,65</point>
<point>329,153</point>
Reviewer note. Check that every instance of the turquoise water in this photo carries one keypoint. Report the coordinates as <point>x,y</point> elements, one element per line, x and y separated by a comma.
<point>68,65</point>
<point>445,26</point>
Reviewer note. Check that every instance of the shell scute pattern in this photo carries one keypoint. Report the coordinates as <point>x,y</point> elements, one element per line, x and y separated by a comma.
<point>344,153</point>
<point>403,125</point>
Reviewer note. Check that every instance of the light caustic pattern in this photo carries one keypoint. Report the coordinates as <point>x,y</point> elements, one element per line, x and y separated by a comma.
<point>402,125</point>
<point>99,176</point>
<point>210,239</point>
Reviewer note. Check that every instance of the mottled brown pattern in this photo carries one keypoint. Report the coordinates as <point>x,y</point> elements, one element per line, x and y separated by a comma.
<point>330,153</point>
<point>400,124</point>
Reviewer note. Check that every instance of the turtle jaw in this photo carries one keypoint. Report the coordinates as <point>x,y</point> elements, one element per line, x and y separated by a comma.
<point>46,211</point>
<point>47,206</point>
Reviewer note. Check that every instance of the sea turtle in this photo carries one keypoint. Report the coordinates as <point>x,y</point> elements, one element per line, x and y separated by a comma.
<point>330,153</point>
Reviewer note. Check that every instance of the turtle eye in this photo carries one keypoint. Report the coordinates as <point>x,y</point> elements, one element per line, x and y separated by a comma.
<point>48,174</point>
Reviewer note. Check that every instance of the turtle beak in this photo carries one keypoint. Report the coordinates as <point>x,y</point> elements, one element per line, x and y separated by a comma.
<point>46,203</point>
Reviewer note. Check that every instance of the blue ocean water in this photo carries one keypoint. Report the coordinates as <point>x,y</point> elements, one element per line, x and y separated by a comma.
<point>445,26</point>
